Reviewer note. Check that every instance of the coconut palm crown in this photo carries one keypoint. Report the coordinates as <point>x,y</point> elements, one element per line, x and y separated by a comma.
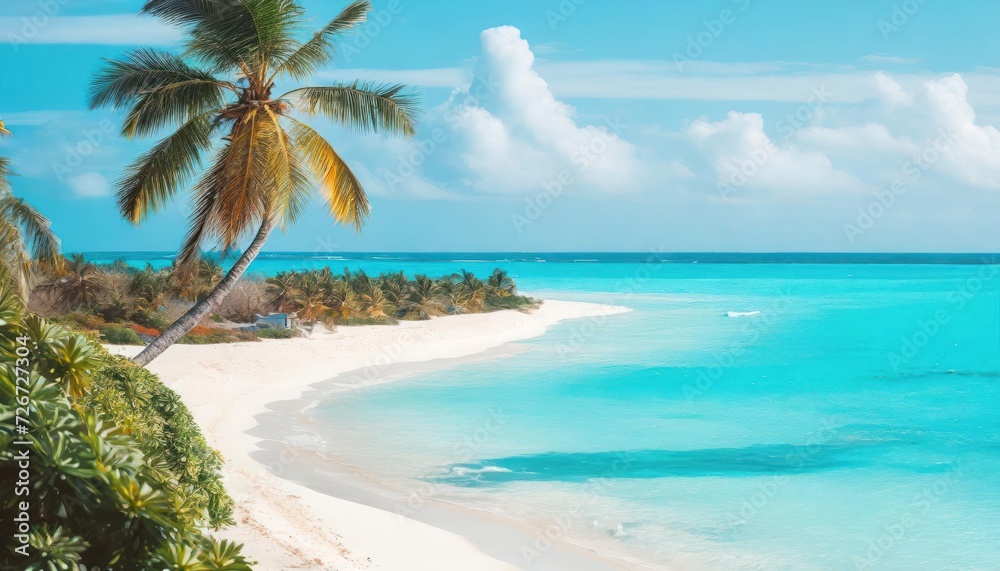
<point>219,100</point>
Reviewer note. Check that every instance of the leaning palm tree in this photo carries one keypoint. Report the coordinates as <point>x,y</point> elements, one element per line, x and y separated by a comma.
<point>24,234</point>
<point>220,97</point>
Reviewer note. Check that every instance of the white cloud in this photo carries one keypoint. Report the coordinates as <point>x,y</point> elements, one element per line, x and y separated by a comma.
<point>504,131</point>
<point>927,137</point>
<point>743,156</point>
<point>516,133</point>
<point>90,185</point>
<point>113,29</point>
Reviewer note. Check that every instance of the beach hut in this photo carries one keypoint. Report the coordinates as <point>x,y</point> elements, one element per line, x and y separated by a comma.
<point>277,321</point>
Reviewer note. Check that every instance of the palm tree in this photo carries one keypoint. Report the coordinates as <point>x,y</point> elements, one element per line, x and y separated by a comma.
<point>198,279</point>
<point>423,299</point>
<point>312,300</point>
<point>267,161</point>
<point>281,288</point>
<point>79,285</point>
<point>471,292</point>
<point>500,285</point>
<point>24,234</point>
<point>372,302</point>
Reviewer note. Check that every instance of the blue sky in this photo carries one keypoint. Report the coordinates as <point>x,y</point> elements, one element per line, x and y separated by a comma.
<point>723,125</point>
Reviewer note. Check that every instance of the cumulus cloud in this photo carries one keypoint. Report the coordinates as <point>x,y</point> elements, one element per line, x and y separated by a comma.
<point>933,126</point>
<point>927,135</point>
<point>89,185</point>
<point>505,132</point>
<point>742,155</point>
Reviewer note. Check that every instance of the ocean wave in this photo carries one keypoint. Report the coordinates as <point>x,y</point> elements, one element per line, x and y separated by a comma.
<point>741,313</point>
<point>467,470</point>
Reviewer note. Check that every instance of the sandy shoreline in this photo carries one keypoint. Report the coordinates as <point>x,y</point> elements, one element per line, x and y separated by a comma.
<point>290,519</point>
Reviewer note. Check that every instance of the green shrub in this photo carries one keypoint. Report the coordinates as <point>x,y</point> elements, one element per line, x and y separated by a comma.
<point>209,336</point>
<point>82,321</point>
<point>120,335</point>
<point>275,333</point>
<point>154,415</point>
<point>510,302</point>
<point>119,475</point>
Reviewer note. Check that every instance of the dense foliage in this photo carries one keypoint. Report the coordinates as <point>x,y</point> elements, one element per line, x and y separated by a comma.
<point>125,305</point>
<point>357,298</point>
<point>118,474</point>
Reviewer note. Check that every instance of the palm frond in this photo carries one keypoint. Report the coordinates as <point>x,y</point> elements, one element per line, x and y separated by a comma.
<point>185,12</point>
<point>343,192</point>
<point>15,260</point>
<point>246,195</point>
<point>5,173</point>
<point>36,229</point>
<point>121,83</point>
<point>173,104</point>
<point>292,182</point>
<point>203,211</point>
<point>363,107</point>
<point>320,50</point>
<point>249,34</point>
<point>159,173</point>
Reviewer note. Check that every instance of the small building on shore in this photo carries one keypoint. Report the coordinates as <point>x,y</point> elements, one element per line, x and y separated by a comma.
<point>277,321</point>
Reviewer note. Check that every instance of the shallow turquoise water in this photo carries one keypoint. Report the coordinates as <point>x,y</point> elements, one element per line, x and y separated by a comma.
<point>854,423</point>
<point>828,432</point>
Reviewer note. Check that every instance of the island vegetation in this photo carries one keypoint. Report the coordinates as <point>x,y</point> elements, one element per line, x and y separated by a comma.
<point>120,304</point>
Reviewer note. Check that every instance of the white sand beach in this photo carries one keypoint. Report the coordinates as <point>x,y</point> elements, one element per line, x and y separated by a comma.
<point>287,525</point>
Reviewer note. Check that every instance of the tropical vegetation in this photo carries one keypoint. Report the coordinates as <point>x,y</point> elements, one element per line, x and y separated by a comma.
<point>125,305</point>
<point>219,98</point>
<point>113,472</point>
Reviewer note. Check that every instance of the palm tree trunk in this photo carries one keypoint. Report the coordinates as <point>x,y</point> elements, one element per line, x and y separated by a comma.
<point>193,317</point>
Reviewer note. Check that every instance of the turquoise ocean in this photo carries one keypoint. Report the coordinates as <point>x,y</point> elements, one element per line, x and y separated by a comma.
<point>792,411</point>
